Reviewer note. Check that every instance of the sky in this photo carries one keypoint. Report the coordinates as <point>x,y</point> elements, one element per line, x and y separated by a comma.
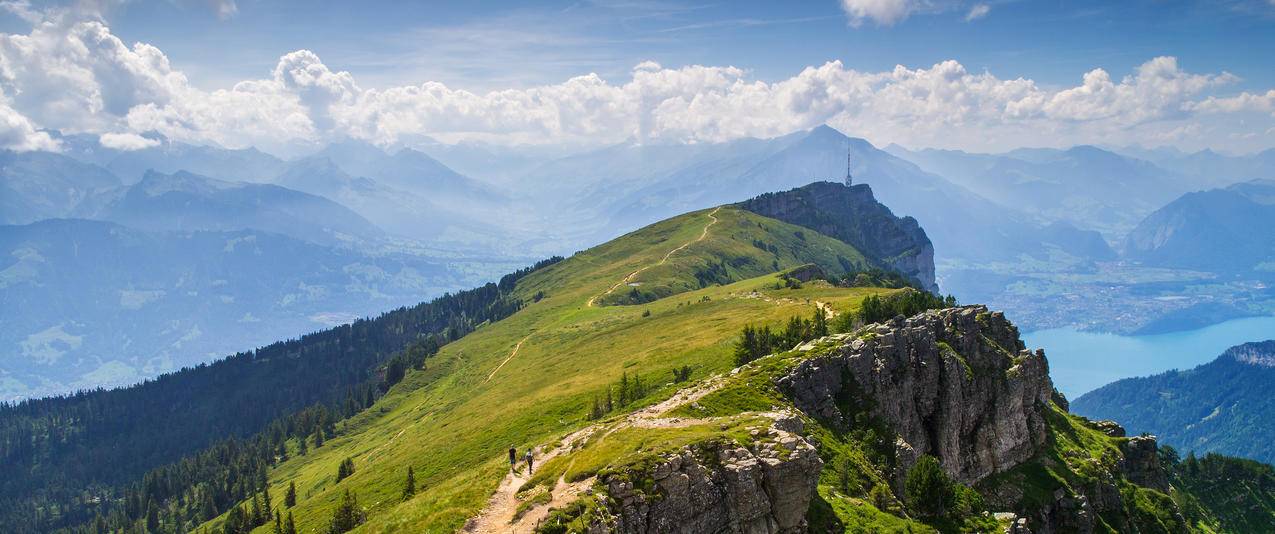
<point>972,75</point>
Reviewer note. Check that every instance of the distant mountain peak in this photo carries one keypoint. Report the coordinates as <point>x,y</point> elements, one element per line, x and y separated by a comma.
<point>155,183</point>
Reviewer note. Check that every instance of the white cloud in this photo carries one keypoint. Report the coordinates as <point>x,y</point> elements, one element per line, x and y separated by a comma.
<point>126,141</point>
<point>979,11</point>
<point>224,8</point>
<point>882,12</point>
<point>78,77</point>
<point>18,134</point>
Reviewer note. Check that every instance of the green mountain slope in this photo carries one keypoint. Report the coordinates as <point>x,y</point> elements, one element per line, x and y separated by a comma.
<point>530,378</point>
<point>1223,406</point>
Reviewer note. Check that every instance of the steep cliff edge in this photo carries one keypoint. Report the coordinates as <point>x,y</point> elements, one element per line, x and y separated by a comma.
<point>851,214</point>
<point>955,384</point>
<point>763,486</point>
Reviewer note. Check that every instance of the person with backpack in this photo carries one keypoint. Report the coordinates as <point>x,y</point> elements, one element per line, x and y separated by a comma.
<point>528,457</point>
<point>513,458</point>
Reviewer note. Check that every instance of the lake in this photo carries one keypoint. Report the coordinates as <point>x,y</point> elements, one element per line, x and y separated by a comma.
<point>1082,361</point>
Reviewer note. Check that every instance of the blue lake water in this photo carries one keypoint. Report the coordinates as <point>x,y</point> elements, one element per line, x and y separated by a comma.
<point>1082,361</point>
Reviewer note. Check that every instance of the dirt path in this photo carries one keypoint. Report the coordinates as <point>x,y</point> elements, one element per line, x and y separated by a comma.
<point>498,516</point>
<point>511,356</point>
<point>629,278</point>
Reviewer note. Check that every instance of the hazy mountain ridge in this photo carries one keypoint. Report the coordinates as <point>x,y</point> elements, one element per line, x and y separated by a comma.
<point>43,185</point>
<point>1084,185</point>
<point>1214,230</point>
<point>92,303</point>
<point>187,202</point>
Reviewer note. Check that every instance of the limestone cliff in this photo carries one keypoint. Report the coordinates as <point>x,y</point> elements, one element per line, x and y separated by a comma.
<point>853,215</point>
<point>765,487</point>
<point>956,384</point>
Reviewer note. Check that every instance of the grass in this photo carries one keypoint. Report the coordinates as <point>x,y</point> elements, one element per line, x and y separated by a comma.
<point>452,422</point>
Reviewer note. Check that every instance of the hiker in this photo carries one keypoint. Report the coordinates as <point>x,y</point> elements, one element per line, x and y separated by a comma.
<point>528,457</point>
<point>513,458</point>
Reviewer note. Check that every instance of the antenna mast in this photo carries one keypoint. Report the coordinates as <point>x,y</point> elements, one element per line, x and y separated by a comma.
<point>849,179</point>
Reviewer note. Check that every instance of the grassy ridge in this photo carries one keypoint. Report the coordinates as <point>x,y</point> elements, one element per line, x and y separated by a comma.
<point>452,422</point>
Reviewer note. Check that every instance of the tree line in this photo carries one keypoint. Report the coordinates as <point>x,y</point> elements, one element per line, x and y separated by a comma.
<point>757,341</point>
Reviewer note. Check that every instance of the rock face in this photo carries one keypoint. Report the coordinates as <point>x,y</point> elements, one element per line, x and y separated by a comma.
<point>763,489</point>
<point>956,384</point>
<point>1141,463</point>
<point>853,215</point>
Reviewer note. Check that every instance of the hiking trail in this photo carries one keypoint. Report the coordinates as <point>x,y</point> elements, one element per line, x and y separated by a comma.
<point>498,516</point>
<point>629,278</point>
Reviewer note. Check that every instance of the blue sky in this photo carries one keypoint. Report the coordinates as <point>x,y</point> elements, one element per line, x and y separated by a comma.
<point>492,45</point>
<point>1214,90</point>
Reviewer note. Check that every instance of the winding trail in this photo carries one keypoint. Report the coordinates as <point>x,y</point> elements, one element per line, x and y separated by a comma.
<point>511,356</point>
<point>498,516</point>
<point>629,278</point>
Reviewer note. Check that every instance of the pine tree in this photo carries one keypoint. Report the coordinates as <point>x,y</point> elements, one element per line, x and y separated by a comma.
<point>928,489</point>
<point>318,436</point>
<point>344,469</point>
<point>301,448</point>
<point>820,328</point>
<point>152,516</point>
<point>409,489</point>
<point>289,527</point>
<point>265,502</point>
<point>290,498</point>
<point>207,508</point>
<point>347,515</point>
<point>278,523</point>
<point>256,517</point>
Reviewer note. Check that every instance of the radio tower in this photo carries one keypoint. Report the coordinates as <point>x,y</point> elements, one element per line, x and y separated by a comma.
<point>849,179</point>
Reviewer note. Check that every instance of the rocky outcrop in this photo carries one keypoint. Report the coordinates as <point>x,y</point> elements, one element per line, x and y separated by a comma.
<point>851,214</point>
<point>1141,463</point>
<point>956,384</point>
<point>760,489</point>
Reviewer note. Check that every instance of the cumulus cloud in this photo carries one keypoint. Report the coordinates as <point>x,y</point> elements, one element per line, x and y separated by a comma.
<point>126,141</point>
<point>78,77</point>
<point>882,12</point>
<point>979,11</point>
<point>18,134</point>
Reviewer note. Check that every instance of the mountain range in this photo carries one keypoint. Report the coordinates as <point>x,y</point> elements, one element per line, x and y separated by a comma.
<point>1084,185</point>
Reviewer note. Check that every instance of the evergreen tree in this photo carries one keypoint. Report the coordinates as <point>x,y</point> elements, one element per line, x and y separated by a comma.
<point>820,323</point>
<point>290,498</point>
<point>278,523</point>
<point>409,488</point>
<point>236,522</point>
<point>265,502</point>
<point>207,508</point>
<point>318,436</point>
<point>152,516</point>
<point>347,515</point>
<point>256,517</point>
<point>344,469</point>
<point>928,489</point>
<point>289,527</point>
